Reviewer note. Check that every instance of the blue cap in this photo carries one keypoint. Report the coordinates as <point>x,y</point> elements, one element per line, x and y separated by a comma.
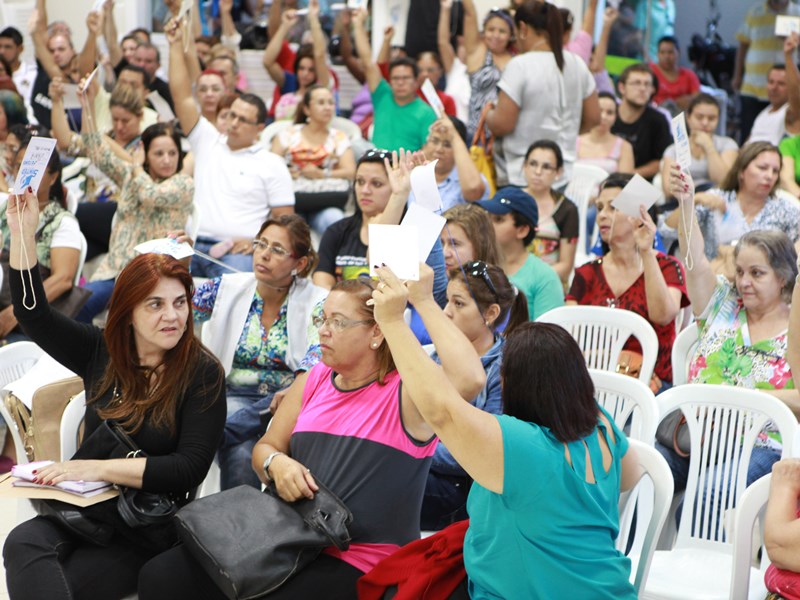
<point>513,198</point>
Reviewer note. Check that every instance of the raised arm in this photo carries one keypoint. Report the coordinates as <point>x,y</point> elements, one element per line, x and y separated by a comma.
<point>385,50</point>
<point>792,77</point>
<point>58,117</point>
<point>87,59</point>
<point>346,49</point>
<point>319,44</point>
<point>274,18</point>
<point>110,33</point>
<point>446,51</point>
<point>589,16</point>
<point>371,70</point>
<point>273,49</point>
<point>472,186</point>
<point>476,50</point>
<point>663,301</point>
<point>179,84</point>
<point>38,31</point>
<point>598,62</point>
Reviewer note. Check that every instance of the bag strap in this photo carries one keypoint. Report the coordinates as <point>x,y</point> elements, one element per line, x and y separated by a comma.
<point>675,446</point>
<point>479,138</point>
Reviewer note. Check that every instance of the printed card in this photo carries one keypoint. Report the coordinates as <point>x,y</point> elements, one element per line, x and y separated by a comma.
<point>34,164</point>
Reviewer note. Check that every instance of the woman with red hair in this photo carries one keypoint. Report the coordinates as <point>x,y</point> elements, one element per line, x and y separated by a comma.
<point>147,372</point>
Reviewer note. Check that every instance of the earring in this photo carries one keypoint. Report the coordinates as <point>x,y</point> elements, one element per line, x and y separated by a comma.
<point>293,273</point>
<point>374,345</point>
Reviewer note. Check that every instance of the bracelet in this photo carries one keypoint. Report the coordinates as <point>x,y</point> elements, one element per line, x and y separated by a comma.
<point>268,462</point>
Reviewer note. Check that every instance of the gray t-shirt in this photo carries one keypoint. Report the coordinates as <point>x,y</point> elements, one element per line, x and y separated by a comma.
<point>550,104</point>
<point>699,168</point>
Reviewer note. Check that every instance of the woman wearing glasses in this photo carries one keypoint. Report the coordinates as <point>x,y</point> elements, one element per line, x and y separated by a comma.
<point>481,301</point>
<point>742,326</point>
<point>354,428</point>
<point>259,325</point>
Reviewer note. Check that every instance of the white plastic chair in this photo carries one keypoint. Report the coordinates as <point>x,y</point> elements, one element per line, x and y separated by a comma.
<point>71,421</point>
<point>15,360</point>
<point>193,223</point>
<point>727,419</point>
<point>748,582</point>
<point>601,333</point>
<point>657,485</point>
<point>270,131</point>
<point>81,260</point>
<point>627,398</point>
<point>682,351</point>
<point>580,189</point>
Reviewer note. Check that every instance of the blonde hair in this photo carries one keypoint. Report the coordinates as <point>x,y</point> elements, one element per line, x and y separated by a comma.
<point>127,97</point>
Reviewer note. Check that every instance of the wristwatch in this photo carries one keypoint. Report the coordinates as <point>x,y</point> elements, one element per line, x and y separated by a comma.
<point>268,462</point>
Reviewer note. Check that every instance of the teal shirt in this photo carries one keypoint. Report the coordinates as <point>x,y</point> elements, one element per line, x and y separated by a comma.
<point>541,285</point>
<point>398,126</point>
<point>550,534</point>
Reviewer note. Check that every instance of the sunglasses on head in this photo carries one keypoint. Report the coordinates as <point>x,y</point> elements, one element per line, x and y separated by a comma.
<point>478,268</point>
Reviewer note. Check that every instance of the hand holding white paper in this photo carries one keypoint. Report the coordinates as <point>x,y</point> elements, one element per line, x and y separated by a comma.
<point>397,247</point>
<point>34,164</point>
<point>786,25</point>
<point>638,192</point>
<point>423,184</point>
<point>71,100</point>
<point>429,226</point>
<point>90,77</point>
<point>683,151</point>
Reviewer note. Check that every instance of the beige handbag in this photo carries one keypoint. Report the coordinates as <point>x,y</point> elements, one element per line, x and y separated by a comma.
<point>40,427</point>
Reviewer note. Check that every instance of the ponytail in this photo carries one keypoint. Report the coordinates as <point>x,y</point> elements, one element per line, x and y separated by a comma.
<point>555,33</point>
<point>518,313</point>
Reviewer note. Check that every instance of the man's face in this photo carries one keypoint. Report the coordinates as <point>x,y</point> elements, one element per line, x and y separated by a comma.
<point>637,89</point>
<point>776,88</point>
<point>402,82</point>
<point>61,50</point>
<point>147,58</point>
<point>9,50</point>
<point>133,79</point>
<point>667,56</point>
<point>224,66</point>
<point>244,128</point>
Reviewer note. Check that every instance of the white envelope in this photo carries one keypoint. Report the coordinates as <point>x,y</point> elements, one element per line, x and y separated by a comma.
<point>34,164</point>
<point>683,152</point>
<point>423,184</point>
<point>429,226</point>
<point>397,247</point>
<point>638,192</point>
<point>165,246</point>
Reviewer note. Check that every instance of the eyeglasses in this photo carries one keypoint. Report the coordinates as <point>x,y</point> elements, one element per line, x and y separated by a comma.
<point>639,83</point>
<point>478,268</point>
<point>279,251</point>
<point>234,117</point>
<point>545,167</point>
<point>435,141</point>
<point>338,324</point>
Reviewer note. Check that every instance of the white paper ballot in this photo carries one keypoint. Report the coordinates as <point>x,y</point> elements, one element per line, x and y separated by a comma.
<point>785,25</point>
<point>90,77</point>
<point>397,247</point>
<point>186,6</point>
<point>301,12</point>
<point>165,246</point>
<point>638,192</point>
<point>429,226</point>
<point>98,6</point>
<point>423,184</point>
<point>161,106</point>
<point>338,7</point>
<point>683,153</point>
<point>433,98</point>
<point>34,164</point>
<point>357,4</point>
<point>71,100</point>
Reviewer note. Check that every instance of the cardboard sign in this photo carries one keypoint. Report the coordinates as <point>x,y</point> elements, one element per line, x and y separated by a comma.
<point>34,164</point>
<point>683,152</point>
<point>397,247</point>
<point>638,192</point>
<point>169,246</point>
<point>785,25</point>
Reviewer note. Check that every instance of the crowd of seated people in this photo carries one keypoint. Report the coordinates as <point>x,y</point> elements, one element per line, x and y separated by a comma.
<point>311,369</point>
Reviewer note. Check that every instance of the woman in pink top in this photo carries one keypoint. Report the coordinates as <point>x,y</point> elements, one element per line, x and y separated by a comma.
<point>602,148</point>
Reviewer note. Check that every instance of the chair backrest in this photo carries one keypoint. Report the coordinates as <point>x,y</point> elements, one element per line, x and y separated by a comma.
<point>655,489</point>
<point>752,506</point>
<point>270,131</point>
<point>81,260</point>
<point>352,130</point>
<point>601,333</point>
<point>723,423</point>
<point>70,425</point>
<point>627,398</point>
<point>682,352</point>
<point>15,360</point>
<point>582,185</point>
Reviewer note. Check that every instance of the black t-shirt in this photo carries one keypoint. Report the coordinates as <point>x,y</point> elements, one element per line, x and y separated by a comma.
<point>649,136</point>
<point>162,87</point>
<point>422,24</point>
<point>40,101</point>
<point>341,251</point>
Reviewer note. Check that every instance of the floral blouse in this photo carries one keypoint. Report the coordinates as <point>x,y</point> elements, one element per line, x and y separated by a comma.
<point>259,359</point>
<point>726,355</point>
<point>146,209</point>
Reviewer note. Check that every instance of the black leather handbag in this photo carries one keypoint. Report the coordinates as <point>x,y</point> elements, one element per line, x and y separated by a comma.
<point>251,542</point>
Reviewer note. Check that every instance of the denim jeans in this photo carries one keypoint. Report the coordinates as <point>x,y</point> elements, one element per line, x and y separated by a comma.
<point>97,302</point>
<point>204,268</point>
<point>445,501</point>
<point>319,221</point>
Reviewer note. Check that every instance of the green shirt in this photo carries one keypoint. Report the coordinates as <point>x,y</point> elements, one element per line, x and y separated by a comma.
<point>541,285</point>
<point>790,147</point>
<point>399,126</point>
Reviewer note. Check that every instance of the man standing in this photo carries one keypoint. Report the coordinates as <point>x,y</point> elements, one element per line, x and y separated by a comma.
<point>643,126</point>
<point>238,182</point>
<point>23,73</point>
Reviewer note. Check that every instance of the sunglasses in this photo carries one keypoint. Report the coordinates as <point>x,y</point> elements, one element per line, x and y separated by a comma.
<point>478,268</point>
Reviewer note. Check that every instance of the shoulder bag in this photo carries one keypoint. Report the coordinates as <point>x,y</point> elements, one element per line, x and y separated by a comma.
<point>481,152</point>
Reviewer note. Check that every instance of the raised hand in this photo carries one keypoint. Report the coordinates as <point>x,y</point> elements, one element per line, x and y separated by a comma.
<point>56,89</point>
<point>289,18</point>
<point>681,184</point>
<point>389,297</point>
<point>644,232</point>
<point>422,290</point>
<point>790,43</point>
<point>22,214</point>
<point>174,31</point>
<point>94,22</point>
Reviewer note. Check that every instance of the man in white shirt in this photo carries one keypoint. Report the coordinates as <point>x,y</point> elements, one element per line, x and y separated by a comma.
<point>23,74</point>
<point>772,123</point>
<point>238,182</point>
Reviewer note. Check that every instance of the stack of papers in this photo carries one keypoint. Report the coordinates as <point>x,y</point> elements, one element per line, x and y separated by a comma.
<point>87,489</point>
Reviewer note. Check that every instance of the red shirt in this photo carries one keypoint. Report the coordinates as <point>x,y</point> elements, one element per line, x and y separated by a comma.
<point>686,83</point>
<point>589,287</point>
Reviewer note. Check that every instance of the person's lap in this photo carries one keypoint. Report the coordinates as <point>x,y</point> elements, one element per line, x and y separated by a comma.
<point>205,268</point>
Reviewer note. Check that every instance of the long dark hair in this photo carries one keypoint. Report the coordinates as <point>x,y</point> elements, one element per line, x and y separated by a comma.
<point>545,19</point>
<point>156,130</point>
<point>512,302</point>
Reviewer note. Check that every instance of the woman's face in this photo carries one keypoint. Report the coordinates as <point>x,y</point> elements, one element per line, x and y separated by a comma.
<point>10,152</point>
<point>608,114</point>
<point>306,74</point>
<point>125,124</point>
<point>159,321</point>
<point>497,35</point>
<point>428,69</point>
<point>611,223</point>
<point>162,157</point>
<point>457,246</point>
<point>3,123</point>
<point>210,89</point>
<point>462,310</point>
<point>223,120</point>
<point>274,265</point>
<point>761,174</point>
<point>704,117</point>
<point>541,169</point>
<point>349,347</point>
<point>757,283</point>
<point>321,107</point>
<point>372,188</point>
<point>129,49</point>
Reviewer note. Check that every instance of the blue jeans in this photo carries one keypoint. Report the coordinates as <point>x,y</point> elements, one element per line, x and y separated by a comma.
<point>243,428</point>
<point>319,221</point>
<point>97,302</point>
<point>204,268</point>
<point>445,501</point>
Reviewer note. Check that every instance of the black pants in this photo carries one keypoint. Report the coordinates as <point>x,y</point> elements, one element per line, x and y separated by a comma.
<point>94,219</point>
<point>174,575</point>
<point>750,106</point>
<point>43,560</point>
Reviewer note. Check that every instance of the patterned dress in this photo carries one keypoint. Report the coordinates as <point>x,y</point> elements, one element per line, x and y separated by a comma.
<point>484,90</point>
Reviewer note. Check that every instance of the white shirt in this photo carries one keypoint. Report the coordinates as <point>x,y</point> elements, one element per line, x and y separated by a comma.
<point>23,78</point>
<point>769,126</point>
<point>235,190</point>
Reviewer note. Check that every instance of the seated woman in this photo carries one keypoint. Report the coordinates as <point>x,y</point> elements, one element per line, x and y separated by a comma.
<point>260,326</point>
<point>601,148</point>
<point>480,301</point>
<point>356,429</point>
<point>319,158</point>
<point>551,430</point>
<point>210,90</point>
<point>468,235</point>
<point>310,64</point>
<point>712,155</point>
<point>634,276</point>
<point>744,201</point>
<point>153,199</point>
<point>146,371</point>
<point>742,326</point>
<point>556,238</point>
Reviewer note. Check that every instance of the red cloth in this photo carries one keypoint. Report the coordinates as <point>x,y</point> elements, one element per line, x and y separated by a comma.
<point>427,569</point>
<point>785,583</point>
<point>686,83</point>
